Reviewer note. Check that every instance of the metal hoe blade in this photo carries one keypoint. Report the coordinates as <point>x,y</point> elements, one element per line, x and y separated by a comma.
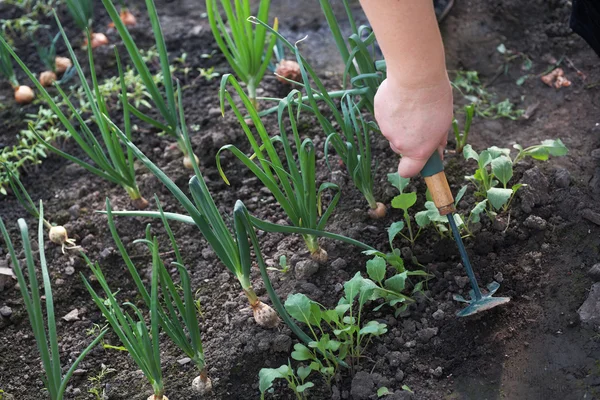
<point>478,302</point>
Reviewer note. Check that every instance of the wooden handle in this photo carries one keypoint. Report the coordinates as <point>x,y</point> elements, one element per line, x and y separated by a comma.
<point>441,193</point>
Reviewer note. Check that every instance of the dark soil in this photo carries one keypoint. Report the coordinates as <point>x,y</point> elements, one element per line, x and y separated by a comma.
<point>532,348</point>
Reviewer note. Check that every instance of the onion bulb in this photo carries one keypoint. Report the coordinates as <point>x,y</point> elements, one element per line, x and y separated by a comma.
<point>288,69</point>
<point>47,78</point>
<point>379,212</point>
<point>58,235</point>
<point>140,203</point>
<point>153,397</point>
<point>62,64</point>
<point>98,39</point>
<point>202,384</point>
<point>128,18</point>
<point>187,161</point>
<point>319,256</point>
<point>264,315</point>
<point>24,94</point>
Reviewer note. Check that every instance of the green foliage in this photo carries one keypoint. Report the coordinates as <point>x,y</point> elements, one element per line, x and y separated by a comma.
<point>403,201</point>
<point>46,338</point>
<point>82,12</point>
<point>468,83</point>
<point>111,162</point>
<point>462,136</point>
<point>48,53</point>
<point>247,47</point>
<point>292,181</point>
<point>296,380</point>
<point>6,67</point>
<point>284,267</point>
<point>362,70</point>
<point>495,170</point>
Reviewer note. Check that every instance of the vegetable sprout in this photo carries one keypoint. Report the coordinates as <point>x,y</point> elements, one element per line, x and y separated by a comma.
<point>46,338</point>
<point>82,12</point>
<point>23,94</point>
<point>111,162</point>
<point>294,184</point>
<point>243,44</point>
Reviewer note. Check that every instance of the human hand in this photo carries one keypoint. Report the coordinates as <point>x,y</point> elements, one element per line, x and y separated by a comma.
<point>415,120</point>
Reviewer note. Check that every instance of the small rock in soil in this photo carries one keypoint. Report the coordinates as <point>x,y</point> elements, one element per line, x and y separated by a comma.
<point>73,315</point>
<point>104,254</point>
<point>591,216</point>
<point>89,239</point>
<point>589,312</point>
<point>338,263</point>
<point>394,358</point>
<point>562,178</point>
<point>410,344</point>
<point>184,361</point>
<point>6,311</point>
<point>536,223</point>
<point>306,269</point>
<point>594,272</point>
<point>69,270</point>
<point>499,277</point>
<point>461,281</point>
<point>438,315</point>
<point>438,372</point>
<point>282,343</point>
<point>79,372</point>
<point>74,211</point>
<point>425,335</point>
<point>399,375</point>
<point>362,386</point>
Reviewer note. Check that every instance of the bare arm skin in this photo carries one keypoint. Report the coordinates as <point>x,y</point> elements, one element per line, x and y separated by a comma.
<point>413,106</point>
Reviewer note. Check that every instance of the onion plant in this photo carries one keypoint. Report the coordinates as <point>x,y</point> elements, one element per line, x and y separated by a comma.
<point>358,53</point>
<point>231,247</point>
<point>141,343</point>
<point>291,181</point>
<point>56,233</point>
<point>246,46</point>
<point>177,314</point>
<point>46,337</point>
<point>48,57</point>
<point>353,144</point>
<point>23,94</point>
<point>82,12</point>
<point>166,104</point>
<point>111,162</point>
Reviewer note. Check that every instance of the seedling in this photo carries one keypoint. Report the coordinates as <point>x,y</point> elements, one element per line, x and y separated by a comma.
<point>141,343</point>
<point>56,233</point>
<point>177,312</point>
<point>166,105</point>
<point>23,94</point>
<point>48,57</point>
<point>247,47</point>
<point>462,136</point>
<point>284,267</point>
<point>111,162</point>
<point>96,382</point>
<point>45,338</point>
<point>296,379</point>
<point>294,186</point>
<point>403,201</point>
<point>495,167</point>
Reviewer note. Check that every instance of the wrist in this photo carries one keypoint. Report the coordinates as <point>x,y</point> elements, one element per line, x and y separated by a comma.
<point>423,91</point>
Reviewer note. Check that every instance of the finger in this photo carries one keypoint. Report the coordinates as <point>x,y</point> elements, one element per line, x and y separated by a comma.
<point>409,167</point>
<point>442,147</point>
<point>394,148</point>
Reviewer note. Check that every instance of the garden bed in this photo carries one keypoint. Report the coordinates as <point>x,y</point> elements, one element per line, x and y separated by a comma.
<point>532,348</point>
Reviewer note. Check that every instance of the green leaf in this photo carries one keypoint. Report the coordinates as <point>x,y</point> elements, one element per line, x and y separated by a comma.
<point>496,152</point>
<point>303,372</point>
<point>469,153</point>
<point>301,352</point>
<point>397,181</point>
<point>396,283</point>
<point>373,328</point>
<point>393,231</point>
<point>376,269</point>
<point>266,376</point>
<point>382,391</point>
<point>299,307</point>
<point>555,147</point>
<point>395,261</point>
<point>485,157</point>
<point>302,388</point>
<point>460,194</point>
<point>353,286</point>
<point>404,201</point>
<point>477,210</point>
<point>502,169</point>
<point>498,197</point>
<point>422,218</point>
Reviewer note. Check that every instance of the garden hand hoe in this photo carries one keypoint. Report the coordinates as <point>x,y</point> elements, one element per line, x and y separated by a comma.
<point>436,181</point>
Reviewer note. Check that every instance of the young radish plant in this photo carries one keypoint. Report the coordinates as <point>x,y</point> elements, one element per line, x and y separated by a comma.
<point>82,12</point>
<point>45,338</point>
<point>296,380</point>
<point>166,105</point>
<point>56,233</point>
<point>403,201</point>
<point>495,170</point>
<point>23,94</point>
<point>353,146</point>
<point>247,47</point>
<point>111,161</point>
<point>292,181</point>
<point>176,313</point>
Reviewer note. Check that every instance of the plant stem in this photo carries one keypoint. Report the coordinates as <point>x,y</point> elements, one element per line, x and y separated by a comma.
<point>252,297</point>
<point>311,243</point>
<point>370,199</point>
<point>252,93</point>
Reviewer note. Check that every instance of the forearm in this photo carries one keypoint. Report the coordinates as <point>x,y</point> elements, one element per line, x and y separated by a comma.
<point>409,37</point>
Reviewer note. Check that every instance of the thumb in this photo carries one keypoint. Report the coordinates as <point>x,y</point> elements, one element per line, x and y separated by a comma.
<point>410,167</point>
